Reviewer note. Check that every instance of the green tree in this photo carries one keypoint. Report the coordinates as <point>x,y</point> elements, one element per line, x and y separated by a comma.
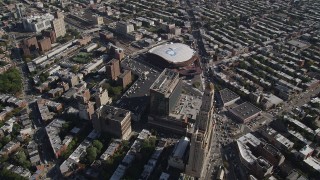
<point>16,129</point>
<point>98,145</point>
<point>196,84</point>
<point>91,154</point>
<point>11,81</point>
<point>21,159</point>
<point>75,69</point>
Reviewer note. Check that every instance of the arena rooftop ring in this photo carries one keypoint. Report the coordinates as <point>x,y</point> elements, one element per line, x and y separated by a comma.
<point>173,55</point>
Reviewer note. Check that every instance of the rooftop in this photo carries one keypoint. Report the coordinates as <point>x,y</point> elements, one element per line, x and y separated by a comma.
<point>313,163</point>
<point>166,82</point>
<point>284,141</point>
<point>306,150</point>
<point>175,52</point>
<point>245,110</point>
<point>187,106</point>
<point>228,95</point>
<point>112,113</point>
<point>180,148</point>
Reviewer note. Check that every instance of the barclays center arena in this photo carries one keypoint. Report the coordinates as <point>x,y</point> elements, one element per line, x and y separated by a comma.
<point>177,56</point>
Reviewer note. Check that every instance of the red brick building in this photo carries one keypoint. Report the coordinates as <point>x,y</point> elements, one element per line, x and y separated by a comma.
<point>44,44</point>
<point>113,69</point>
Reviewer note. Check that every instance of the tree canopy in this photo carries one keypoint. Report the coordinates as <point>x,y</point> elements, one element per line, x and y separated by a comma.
<point>11,81</point>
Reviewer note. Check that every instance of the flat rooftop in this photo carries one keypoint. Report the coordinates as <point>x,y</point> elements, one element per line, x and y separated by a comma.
<point>188,106</point>
<point>166,82</point>
<point>227,95</point>
<point>297,43</point>
<point>112,113</point>
<point>245,110</point>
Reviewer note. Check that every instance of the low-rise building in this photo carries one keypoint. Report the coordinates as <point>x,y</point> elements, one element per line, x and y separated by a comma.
<point>178,157</point>
<point>58,145</point>
<point>9,148</point>
<point>228,97</point>
<point>19,171</point>
<point>112,148</point>
<point>244,112</point>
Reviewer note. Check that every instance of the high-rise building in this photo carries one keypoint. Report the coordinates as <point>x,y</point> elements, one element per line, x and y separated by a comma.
<point>125,78</point>
<point>124,27</point>
<point>20,10</point>
<point>83,96</point>
<point>119,54</point>
<point>58,15</point>
<point>50,34</point>
<point>112,120</point>
<point>31,43</point>
<point>44,44</point>
<point>202,136</point>
<point>113,69</point>
<point>165,92</point>
<point>59,27</point>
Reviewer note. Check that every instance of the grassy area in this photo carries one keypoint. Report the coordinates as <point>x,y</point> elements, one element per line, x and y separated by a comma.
<point>82,58</point>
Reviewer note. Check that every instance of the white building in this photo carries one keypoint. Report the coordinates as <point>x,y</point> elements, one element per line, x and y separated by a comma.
<point>176,159</point>
<point>37,23</point>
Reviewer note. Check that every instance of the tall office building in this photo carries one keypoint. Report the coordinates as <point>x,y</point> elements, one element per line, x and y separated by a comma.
<point>59,27</point>
<point>113,69</point>
<point>202,136</point>
<point>165,92</point>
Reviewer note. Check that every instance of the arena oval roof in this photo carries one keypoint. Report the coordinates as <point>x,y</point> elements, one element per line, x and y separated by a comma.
<point>175,52</point>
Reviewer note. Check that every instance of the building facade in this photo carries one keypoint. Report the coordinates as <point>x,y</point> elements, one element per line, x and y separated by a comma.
<point>202,136</point>
<point>113,120</point>
<point>113,69</point>
<point>44,44</point>
<point>165,92</point>
<point>37,23</point>
<point>125,78</point>
<point>59,27</point>
<point>124,27</point>
<point>102,97</point>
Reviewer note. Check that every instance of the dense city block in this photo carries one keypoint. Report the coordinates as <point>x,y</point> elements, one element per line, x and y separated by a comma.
<point>160,89</point>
